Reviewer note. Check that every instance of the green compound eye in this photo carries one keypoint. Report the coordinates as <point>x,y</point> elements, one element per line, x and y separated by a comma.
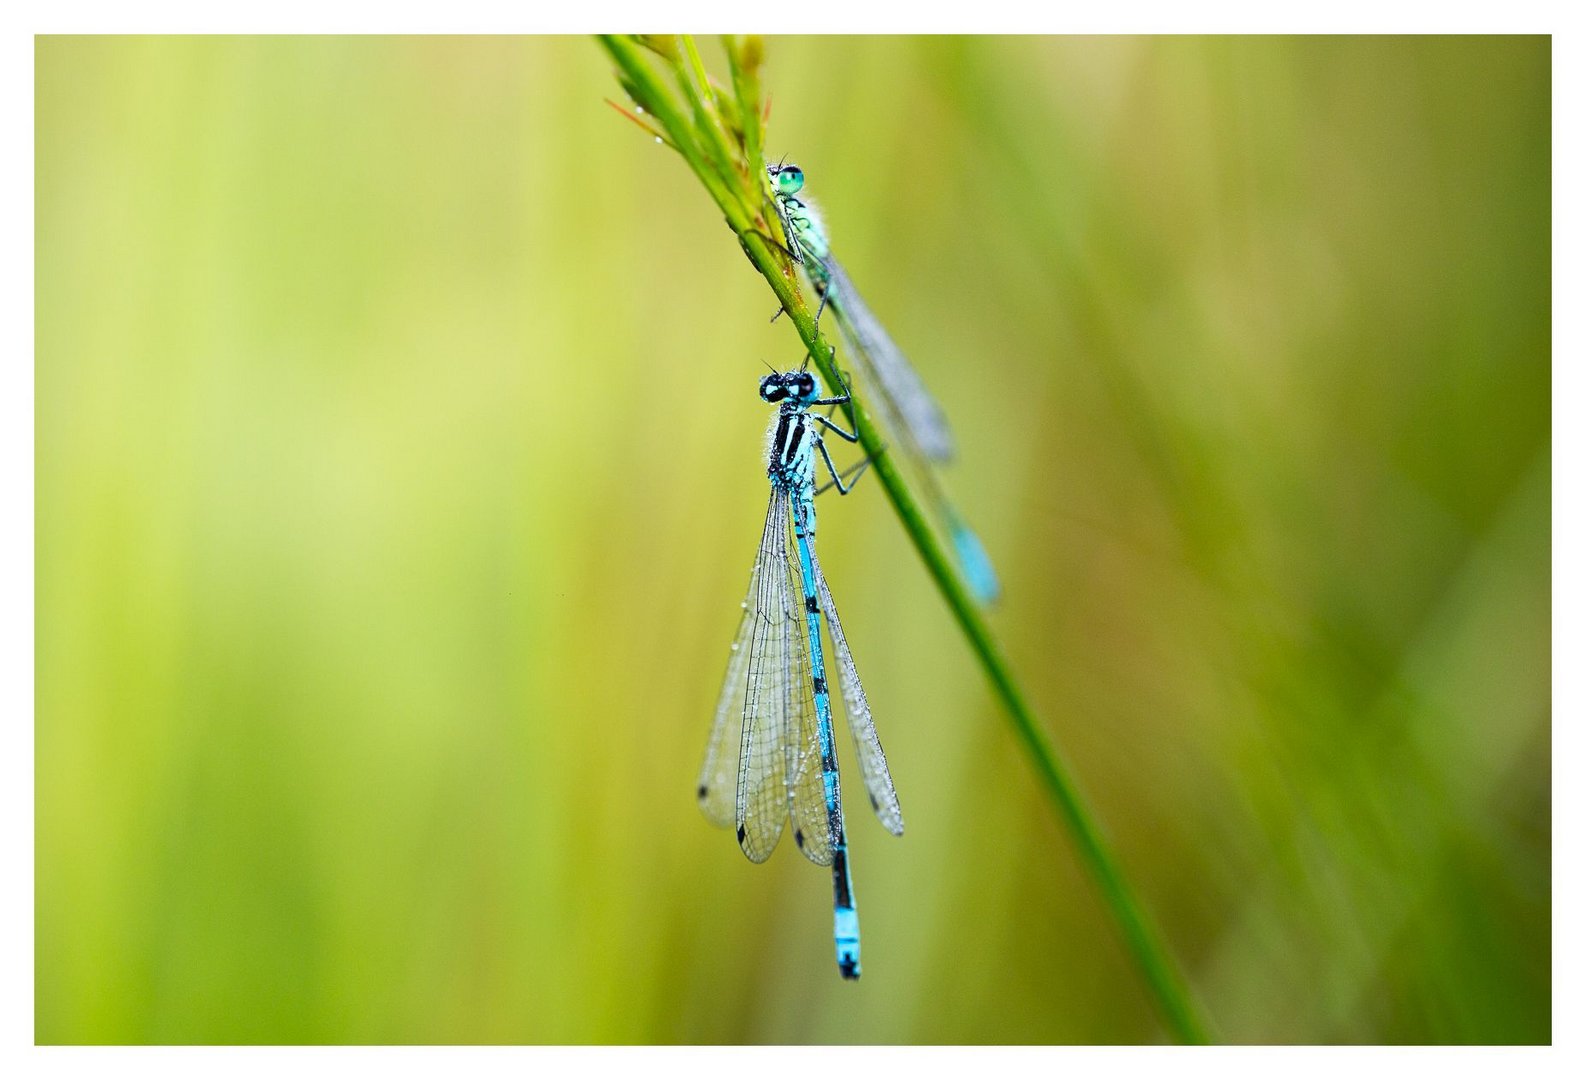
<point>790,179</point>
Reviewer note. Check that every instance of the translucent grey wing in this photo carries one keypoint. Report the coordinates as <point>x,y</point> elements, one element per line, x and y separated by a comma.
<point>892,373</point>
<point>718,775</point>
<point>867,745</point>
<point>761,809</point>
<point>806,784</point>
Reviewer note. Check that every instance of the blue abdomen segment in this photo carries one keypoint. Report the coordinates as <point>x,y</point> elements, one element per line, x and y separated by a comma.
<point>845,930</point>
<point>845,912</point>
<point>976,564</point>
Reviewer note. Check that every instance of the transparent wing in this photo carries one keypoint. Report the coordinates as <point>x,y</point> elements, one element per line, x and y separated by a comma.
<point>762,805</point>
<point>898,382</point>
<point>867,745</point>
<point>806,785</point>
<point>718,776</point>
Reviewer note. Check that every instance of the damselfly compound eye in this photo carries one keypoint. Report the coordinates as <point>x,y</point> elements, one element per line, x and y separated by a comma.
<point>790,179</point>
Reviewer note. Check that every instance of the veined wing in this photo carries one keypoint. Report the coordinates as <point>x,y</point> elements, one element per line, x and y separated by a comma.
<point>806,785</point>
<point>770,680</point>
<point>766,712</point>
<point>718,775</point>
<point>867,745</point>
<point>896,378</point>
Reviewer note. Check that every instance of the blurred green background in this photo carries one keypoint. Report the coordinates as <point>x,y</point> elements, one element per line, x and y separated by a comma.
<point>398,474</point>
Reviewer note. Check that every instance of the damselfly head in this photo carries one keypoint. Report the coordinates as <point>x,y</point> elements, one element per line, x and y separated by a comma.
<point>787,179</point>
<point>795,386</point>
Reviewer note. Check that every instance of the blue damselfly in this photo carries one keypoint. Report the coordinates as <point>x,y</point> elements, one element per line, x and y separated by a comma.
<point>775,706</point>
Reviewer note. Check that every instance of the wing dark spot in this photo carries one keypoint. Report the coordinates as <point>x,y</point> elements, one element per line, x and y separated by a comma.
<point>873,804</point>
<point>798,838</point>
<point>741,834</point>
<point>703,791</point>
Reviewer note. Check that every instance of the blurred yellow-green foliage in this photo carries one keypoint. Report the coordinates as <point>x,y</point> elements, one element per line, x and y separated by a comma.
<point>398,474</point>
